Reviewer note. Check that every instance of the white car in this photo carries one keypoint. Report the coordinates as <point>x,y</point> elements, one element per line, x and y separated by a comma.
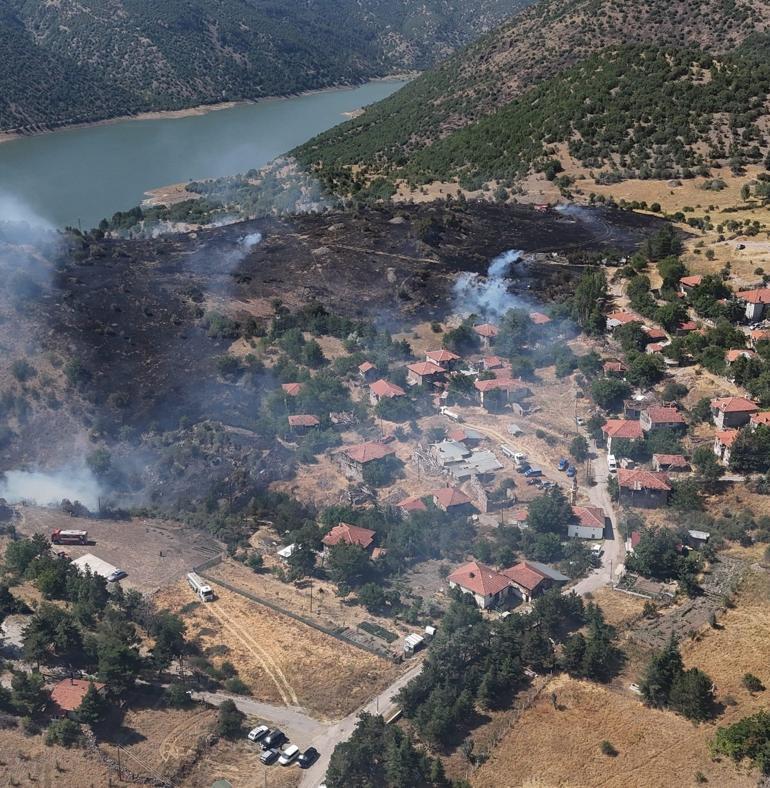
<point>255,734</point>
<point>288,755</point>
<point>612,463</point>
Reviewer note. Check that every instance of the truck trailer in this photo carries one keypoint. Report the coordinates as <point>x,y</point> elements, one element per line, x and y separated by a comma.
<point>69,537</point>
<point>200,587</point>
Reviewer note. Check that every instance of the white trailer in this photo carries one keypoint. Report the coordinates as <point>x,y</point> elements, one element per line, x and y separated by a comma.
<point>200,587</point>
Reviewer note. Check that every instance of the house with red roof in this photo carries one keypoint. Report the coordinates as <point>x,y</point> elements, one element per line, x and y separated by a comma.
<point>661,417</point>
<point>723,444</point>
<point>759,335</point>
<point>291,389</point>
<point>670,463</point>
<point>492,362</point>
<point>384,389</point>
<point>588,523</point>
<point>688,283</point>
<point>302,422</point>
<point>539,319</point>
<point>686,328</point>
<point>487,333</point>
<point>465,435</point>
<point>412,504</point>
<point>487,586</point>
<point>509,388</point>
<point>424,372</point>
<point>353,459</point>
<point>443,358</point>
<point>732,411</point>
<point>621,318</point>
<point>762,418</point>
<point>68,694</point>
<point>614,369</point>
<point>632,541</point>
<point>367,371</point>
<point>655,334</point>
<point>344,533</point>
<point>531,578</point>
<point>452,500</point>
<point>732,355</point>
<point>756,302</point>
<point>643,488</point>
<point>617,429</point>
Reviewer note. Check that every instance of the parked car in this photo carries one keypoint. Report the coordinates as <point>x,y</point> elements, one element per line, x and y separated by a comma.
<point>255,734</point>
<point>288,755</point>
<point>308,758</point>
<point>268,757</point>
<point>571,471</point>
<point>612,463</point>
<point>531,472</point>
<point>118,574</point>
<point>563,464</point>
<point>275,738</point>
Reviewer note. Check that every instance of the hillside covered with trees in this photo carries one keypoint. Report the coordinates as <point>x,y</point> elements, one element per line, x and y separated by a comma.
<point>664,90</point>
<point>71,62</point>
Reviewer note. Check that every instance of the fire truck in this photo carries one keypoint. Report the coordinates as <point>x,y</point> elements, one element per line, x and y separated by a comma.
<point>69,537</point>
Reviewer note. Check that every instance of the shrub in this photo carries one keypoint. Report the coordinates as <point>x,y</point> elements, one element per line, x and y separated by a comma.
<point>752,683</point>
<point>63,732</point>
<point>237,686</point>
<point>608,749</point>
<point>229,720</point>
<point>177,696</point>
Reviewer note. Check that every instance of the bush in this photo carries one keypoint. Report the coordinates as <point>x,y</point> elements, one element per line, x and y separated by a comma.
<point>176,696</point>
<point>64,732</point>
<point>608,749</point>
<point>752,683</point>
<point>237,686</point>
<point>229,720</point>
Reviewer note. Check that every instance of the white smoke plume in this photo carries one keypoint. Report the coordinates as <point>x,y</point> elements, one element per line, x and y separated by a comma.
<point>48,488</point>
<point>249,241</point>
<point>487,295</point>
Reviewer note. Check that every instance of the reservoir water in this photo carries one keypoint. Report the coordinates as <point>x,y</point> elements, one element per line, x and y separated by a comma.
<point>81,175</point>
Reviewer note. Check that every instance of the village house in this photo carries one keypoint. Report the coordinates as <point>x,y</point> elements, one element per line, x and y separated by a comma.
<point>448,452</point>
<point>696,539</point>
<point>657,335</point>
<point>529,579</point>
<point>443,358</point>
<point>655,347</point>
<point>723,444</point>
<point>491,362</point>
<point>670,463</point>
<point>732,411</point>
<point>589,523</point>
<point>68,694</point>
<point>487,333</point>
<point>688,283</point>
<point>686,328</point>
<point>539,319</point>
<point>756,302</point>
<point>510,389</point>
<point>615,369</point>
<point>300,423</point>
<point>518,518</point>
<point>621,318</point>
<point>452,500</point>
<point>639,487</point>
<point>632,542</point>
<point>424,372</point>
<point>367,371</point>
<point>466,436</point>
<point>759,335</point>
<point>353,459</point>
<point>760,419</point>
<point>618,429</point>
<point>412,504</point>
<point>487,587</point>
<point>384,389</point>
<point>661,418</point>
<point>291,389</point>
<point>731,356</point>
<point>633,407</point>
<point>345,533</point>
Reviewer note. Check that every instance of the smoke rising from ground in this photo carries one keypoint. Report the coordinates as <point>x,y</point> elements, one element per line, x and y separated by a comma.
<point>487,295</point>
<point>49,488</point>
<point>249,241</point>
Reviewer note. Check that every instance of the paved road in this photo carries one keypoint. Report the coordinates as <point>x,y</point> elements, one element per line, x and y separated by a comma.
<point>304,730</point>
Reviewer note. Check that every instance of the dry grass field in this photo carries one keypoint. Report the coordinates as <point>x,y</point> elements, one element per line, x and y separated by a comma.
<point>655,748</point>
<point>619,609</point>
<point>281,660</point>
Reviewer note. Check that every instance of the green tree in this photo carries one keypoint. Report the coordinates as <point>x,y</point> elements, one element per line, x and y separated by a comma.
<point>644,370</point>
<point>748,738</point>
<point>692,695</point>
<point>28,692</point>
<point>589,302</point>
<point>348,564</point>
<point>550,513</point>
<point>578,448</point>
<point>93,707</point>
<point>662,669</point>
<point>609,393</point>
<point>20,554</point>
<point>709,469</point>
<point>751,451</point>
<point>64,732</point>
<point>229,720</point>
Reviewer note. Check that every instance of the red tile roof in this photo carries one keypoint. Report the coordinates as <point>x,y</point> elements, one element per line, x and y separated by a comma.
<point>384,388</point>
<point>759,296</point>
<point>479,579</point>
<point>655,333</point>
<point>292,389</point>
<point>486,330</point>
<point>366,367</point>
<point>672,460</point>
<point>655,347</point>
<point>636,537</point>
<point>443,355</point>
<point>303,420</point>
<point>524,575</point>
<point>760,334</point>
<point>691,281</point>
<point>761,418</point>
<point>539,319</point>
<point>640,479</point>
<point>491,362</point>
<point>413,504</point>
<point>614,366</point>
<point>450,496</point>
<point>68,694</point>
<point>734,405</point>
<point>366,452</point>
<point>689,325</point>
<point>506,384</point>
<point>624,317</point>
<point>589,516</point>
<point>520,516</point>
<point>735,353</point>
<point>623,428</point>
<point>661,414</point>
<point>425,368</point>
<point>349,534</point>
<point>727,437</point>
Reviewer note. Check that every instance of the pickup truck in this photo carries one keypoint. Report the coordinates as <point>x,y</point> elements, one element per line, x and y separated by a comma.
<point>531,472</point>
<point>563,464</point>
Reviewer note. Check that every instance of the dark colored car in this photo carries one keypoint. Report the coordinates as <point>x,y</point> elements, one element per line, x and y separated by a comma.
<point>308,757</point>
<point>269,756</point>
<point>274,739</point>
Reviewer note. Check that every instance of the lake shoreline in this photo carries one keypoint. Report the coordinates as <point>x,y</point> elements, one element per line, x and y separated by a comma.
<point>200,109</point>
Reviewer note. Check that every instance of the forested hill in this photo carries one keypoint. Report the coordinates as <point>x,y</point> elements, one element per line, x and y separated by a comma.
<point>76,61</point>
<point>535,49</point>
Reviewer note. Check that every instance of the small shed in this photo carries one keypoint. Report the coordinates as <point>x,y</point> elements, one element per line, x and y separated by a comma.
<point>413,643</point>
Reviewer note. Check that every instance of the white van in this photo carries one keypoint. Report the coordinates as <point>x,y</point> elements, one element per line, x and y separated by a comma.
<point>288,755</point>
<point>612,463</point>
